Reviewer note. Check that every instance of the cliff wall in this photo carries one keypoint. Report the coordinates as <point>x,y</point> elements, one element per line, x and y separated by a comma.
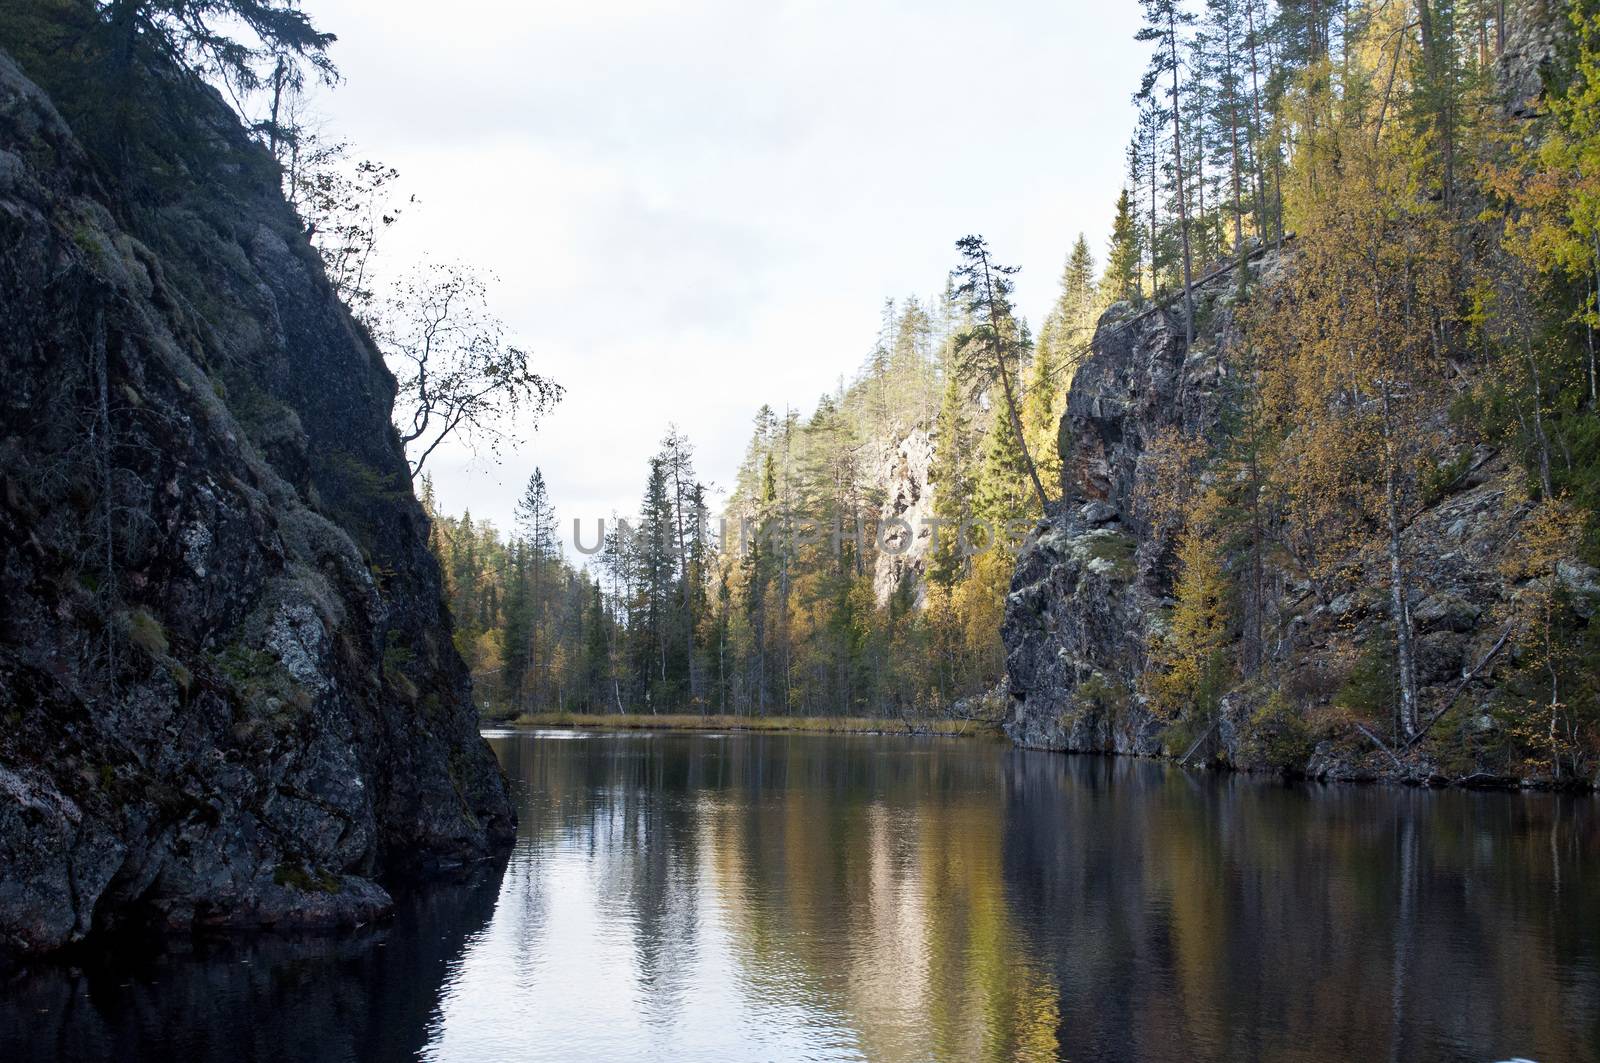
<point>228,694</point>
<point>1094,587</point>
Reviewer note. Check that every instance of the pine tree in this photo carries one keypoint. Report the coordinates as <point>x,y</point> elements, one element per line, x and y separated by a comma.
<point>1144,170</point>
<point>989,349</point>
<point>759,575</point>
<point>1164,21</point>
<point>1223,24</point>
<point>677,462</point>
<point>1253,46</point>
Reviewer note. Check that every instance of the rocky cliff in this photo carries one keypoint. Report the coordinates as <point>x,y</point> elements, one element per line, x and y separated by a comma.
<point>901,477</point>
<point>1093,579</point>
<point>1095,583</point>
<point>1093,590</point>
<point>228,694</point>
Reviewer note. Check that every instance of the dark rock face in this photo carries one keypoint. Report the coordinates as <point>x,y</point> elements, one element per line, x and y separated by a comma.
<point>1089,584</point>
<point>1533,33</point>
<point>228,694</point>
<point>1093,583</point>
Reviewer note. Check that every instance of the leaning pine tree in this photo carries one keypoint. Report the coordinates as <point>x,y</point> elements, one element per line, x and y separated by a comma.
<point>987,351</point>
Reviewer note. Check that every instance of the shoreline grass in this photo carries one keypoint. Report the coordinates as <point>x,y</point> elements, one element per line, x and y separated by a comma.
<point>776,724</point>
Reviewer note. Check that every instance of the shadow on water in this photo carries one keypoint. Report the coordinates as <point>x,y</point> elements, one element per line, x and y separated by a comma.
<point>1188,916</point>
<point>368,994</point>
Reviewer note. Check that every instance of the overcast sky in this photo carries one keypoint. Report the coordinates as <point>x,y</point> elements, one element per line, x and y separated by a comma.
<point>694,207</point>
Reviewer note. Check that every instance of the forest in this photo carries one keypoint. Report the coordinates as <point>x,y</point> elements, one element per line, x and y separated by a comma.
<point>1441,240</point>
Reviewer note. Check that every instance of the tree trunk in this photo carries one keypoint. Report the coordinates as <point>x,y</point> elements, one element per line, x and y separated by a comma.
<point>1594,402</point>
<point>1238,195</point>
<point>1256,133</point>
<point>1437,103</point>
<point>1183,206</point>
<point>1238,192</point>
<point>1155,280</point>
<point>1399,597</point>
<point>1016,426</point>
<point>684,576</point>
<point>1538,423</point>
<point>533,633</point>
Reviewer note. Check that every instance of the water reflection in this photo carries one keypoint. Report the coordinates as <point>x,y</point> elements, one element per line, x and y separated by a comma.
<point>750,897</point>
<point>692,897</point>
<point>366,995</point>
<point>1226,918</point>
<point>892,899</point>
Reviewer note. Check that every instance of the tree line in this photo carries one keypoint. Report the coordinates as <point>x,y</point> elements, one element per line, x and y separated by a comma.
<point>1437,309</point>
<point>779,602</point>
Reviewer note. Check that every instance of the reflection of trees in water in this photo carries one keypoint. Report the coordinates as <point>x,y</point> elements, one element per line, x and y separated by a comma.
<point>862,877</point>
<point>858,881</point>
<point>524,905</point>
<point>1193,917</point>
<point>364,995</point>
<point>658,859</point>
<point>914,900</point>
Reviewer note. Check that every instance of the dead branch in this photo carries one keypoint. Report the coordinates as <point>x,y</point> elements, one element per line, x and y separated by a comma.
<point>1462,686</point>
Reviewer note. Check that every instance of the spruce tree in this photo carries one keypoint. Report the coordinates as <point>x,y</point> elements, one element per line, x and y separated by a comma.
<point>653,566</point>
<point>1002,483</point>
<point>518,629</point>
<point>1121,280</point>
<point>952,480</point>
<point>1067,330</point>
<point>537,520</point>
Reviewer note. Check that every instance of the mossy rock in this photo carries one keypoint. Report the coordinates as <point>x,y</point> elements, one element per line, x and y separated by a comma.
<point>296,876</point>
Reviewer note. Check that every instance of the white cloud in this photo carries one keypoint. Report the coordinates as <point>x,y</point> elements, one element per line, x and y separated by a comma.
<point>697,207</point>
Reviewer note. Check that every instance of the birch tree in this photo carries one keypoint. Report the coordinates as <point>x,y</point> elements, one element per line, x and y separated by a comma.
<point>456,376</point>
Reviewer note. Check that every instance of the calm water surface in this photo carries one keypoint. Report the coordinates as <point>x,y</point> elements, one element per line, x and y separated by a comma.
<point>776,897</point>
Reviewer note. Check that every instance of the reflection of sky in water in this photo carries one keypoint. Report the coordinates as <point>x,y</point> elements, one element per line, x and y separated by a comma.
<point>682,897</point>
<point>596,986</point>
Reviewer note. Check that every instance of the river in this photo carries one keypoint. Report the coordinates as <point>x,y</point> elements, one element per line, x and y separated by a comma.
<point>821,897</point>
